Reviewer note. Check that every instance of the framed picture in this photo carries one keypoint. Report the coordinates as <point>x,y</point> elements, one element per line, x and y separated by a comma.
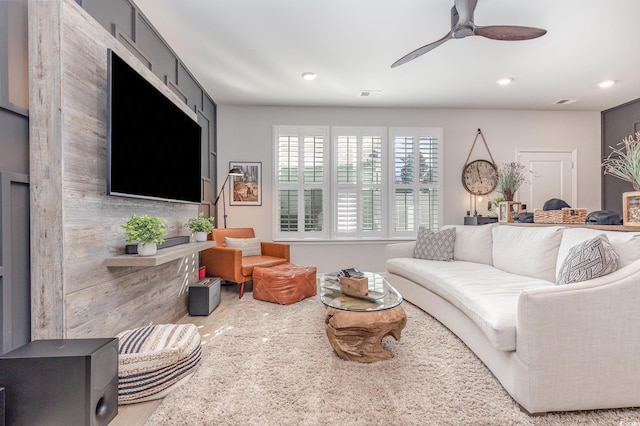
<point>246,190</point>
<point>507,211</point>
<point>631,208</point>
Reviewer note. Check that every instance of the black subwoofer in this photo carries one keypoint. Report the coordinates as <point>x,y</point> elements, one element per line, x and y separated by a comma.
<point>61,382</point>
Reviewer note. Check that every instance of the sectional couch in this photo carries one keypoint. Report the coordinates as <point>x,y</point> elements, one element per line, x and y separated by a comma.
<point>552,347</point>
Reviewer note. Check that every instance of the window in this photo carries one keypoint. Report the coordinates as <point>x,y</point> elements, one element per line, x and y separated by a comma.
<point>356,182</point>
<point>416,186</point>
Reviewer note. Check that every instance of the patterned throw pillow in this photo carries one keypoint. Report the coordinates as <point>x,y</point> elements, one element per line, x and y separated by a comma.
<point>435,245</point>
<point>592,259</point>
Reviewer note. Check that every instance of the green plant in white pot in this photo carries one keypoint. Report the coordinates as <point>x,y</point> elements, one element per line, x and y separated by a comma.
<point>624,162</point>
<point>200,226</point>
<point>147,231</point>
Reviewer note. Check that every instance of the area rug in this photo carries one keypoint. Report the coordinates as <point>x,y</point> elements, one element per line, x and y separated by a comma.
<point>271,364</point>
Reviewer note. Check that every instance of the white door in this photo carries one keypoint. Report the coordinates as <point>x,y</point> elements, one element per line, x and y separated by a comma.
<point>553,175</point>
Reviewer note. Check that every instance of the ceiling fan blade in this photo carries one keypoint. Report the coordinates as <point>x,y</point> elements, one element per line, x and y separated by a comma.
<point>509,32</point>
<point>421,51</point>
<point>465,10</point>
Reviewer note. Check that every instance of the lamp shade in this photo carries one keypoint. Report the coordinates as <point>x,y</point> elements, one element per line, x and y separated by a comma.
<point>235,172</point>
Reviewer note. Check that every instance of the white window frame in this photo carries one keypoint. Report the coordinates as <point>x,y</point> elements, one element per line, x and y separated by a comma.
<point>330,185</point>
<point>416,133</point>
<point>300,186</point>
<point>359,132</point>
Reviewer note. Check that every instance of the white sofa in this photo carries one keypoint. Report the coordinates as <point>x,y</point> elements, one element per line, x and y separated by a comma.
<point>553,347</point>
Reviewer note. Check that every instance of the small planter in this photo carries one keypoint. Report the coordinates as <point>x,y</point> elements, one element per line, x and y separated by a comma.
<point>201,236</point>
<point>148,249</point>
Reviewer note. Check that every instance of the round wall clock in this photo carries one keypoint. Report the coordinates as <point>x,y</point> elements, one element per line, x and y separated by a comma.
<point>480,177</point>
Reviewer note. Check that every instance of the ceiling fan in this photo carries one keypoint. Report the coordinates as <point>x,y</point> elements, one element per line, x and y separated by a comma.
<point>462,26</point>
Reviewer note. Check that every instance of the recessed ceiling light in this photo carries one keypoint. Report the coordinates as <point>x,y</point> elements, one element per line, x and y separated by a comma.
<point>606,83</point>
<point>309,76</point>
<point>504,81</point>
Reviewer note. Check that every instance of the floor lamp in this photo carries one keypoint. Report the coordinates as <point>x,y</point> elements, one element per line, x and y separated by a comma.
<point>233,172</point>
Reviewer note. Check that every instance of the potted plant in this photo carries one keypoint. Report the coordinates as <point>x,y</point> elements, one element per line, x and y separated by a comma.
<point>147,231</point>
<point>510,177</point>
<point>624,162</point>
<point>496,203</point>
<point>200,226</point>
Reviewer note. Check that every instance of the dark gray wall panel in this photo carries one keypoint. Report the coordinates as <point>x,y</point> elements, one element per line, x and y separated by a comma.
<point>210,110</point>
<point>14,142</point>
<point>14,61</point>
<point>190,88</point>
<point>617,123</point>
<point>162,59</point>
<point>203,121</point>
<point>14,261</point>
<point>108,13</point>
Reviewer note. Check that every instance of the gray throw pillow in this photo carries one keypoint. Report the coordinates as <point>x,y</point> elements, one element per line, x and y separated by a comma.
<point>435,245</point>
<point>591,259</point>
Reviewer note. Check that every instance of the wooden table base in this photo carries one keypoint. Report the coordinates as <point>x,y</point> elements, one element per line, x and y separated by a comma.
<point>357,336</point>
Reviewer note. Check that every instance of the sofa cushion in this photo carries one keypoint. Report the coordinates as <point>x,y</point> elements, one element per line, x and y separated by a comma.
<point>626,244</point>
<point>473,243</point>
<point>435,245</point>
<point>528,251</point>
<point>488,296</point>
<point>249,246</point>
<point>591,259</point>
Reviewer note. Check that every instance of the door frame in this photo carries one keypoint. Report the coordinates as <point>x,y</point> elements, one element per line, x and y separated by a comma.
<point>574,166</point>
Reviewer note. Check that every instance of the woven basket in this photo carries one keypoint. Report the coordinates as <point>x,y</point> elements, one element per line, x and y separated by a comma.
<point>566,215</point>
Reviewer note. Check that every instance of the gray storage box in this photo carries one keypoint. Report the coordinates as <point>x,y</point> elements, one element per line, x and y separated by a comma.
<point>204,296</point>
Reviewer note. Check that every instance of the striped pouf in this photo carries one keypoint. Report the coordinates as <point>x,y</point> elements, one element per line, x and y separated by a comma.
<point>155,359</point>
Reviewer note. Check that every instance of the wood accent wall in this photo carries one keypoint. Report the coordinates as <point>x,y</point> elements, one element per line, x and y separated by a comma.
<point>74,225</point>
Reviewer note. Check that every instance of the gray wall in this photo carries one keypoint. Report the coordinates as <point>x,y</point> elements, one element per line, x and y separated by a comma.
<point>14,167</point>
<point>617,123</point>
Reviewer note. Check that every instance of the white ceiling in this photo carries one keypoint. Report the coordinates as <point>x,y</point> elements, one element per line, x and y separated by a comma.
<point>253,52</point>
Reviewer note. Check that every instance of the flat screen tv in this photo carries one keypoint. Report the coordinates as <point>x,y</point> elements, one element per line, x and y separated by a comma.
<point>153,147</point>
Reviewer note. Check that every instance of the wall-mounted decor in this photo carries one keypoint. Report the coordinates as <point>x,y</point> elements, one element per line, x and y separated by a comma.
<point>631,208</point>
<point>246,190</point>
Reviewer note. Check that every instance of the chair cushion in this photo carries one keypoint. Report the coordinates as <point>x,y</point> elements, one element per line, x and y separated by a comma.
<point>155,359</point>
<point>248,263</point>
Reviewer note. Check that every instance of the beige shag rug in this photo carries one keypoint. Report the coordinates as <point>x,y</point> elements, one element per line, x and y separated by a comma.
<point>272,365</point>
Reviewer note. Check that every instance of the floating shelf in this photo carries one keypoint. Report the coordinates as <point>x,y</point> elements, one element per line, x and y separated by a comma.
<point>163,256</point>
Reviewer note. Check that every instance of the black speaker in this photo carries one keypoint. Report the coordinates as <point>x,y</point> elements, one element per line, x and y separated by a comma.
<point>204,296</point>
<point>61,382</point>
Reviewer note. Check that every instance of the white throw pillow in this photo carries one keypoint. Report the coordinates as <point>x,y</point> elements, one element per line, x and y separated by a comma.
<point>591,259</point>
<point>528,251</point>
<point>435,245</point>
<point>473,243</point>
<point>249,246</point>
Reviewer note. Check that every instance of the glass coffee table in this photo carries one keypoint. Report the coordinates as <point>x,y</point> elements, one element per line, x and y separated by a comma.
<point>355,326</point>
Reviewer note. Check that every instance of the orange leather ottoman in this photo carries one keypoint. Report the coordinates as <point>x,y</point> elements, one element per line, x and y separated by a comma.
<point>285,284</point>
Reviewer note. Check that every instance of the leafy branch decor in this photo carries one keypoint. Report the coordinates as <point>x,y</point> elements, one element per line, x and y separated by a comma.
<point>624,162</point>
<point>146,231</point>
<point>200,226</point>
<point>510,177</point>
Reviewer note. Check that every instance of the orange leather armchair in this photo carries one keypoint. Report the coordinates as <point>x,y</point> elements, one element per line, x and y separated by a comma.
<point>228,263</point>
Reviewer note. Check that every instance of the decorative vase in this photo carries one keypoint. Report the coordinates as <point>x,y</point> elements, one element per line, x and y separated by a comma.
<point>148,249</point>
<point>508,195</point>
<point>201,236</point>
